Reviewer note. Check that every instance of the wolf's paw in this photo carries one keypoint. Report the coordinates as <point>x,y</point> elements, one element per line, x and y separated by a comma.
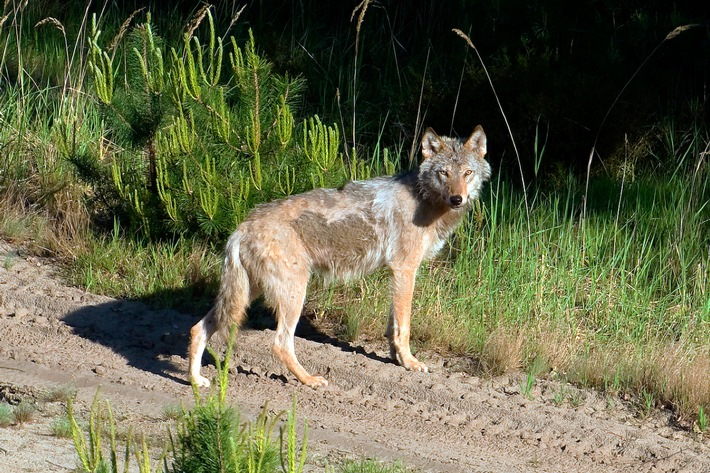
<point>415,365</point>
<point>315,382</point>
<point>201,381</point>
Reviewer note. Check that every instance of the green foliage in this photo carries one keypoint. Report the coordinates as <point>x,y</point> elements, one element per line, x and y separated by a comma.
<point>23,412</point>
<point>182,273</point>
<point>93,457</point>
<point>209,437</point>
<point>372,466</point>
<point>702,421</point>
<point>196,144</point>
<point>6,417</point>
<point>61,428</point>
<point>526,387</point>
<point>291,461</point>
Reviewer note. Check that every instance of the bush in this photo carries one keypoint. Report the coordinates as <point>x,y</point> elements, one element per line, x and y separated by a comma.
<point>194,136</point>
<point>210,438</point>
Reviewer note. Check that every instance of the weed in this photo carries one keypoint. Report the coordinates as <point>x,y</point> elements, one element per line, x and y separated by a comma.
<point>503,351</point>
<point>371,466</point>
<point>648,401</point>
<point>702,421</point>
<point>61,427</point>
<point>526,387</point>
<point>59,393</point>
<point>210,437</point>
<point>6,416</point>
<point>352,327</point>
<point>23,412</point>
<point>560,395</point>
<point>9,261</point>
<point>291,461</point>
<point>576,398</point>
<point>172,412</point>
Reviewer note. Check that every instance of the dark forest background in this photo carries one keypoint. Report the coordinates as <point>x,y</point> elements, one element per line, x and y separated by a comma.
<point>568,74</point>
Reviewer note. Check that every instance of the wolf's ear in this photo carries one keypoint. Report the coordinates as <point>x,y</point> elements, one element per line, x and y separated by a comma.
<point>477,141</point>
<point>431,143</point>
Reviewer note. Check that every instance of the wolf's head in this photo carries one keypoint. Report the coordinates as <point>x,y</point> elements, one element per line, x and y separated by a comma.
<point>453,171</point>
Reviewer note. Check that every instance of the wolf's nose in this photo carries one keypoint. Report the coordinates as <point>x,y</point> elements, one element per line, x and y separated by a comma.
<point>456,200</point>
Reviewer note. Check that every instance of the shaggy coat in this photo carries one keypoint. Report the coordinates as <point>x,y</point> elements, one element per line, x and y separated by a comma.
<point>394,222</point>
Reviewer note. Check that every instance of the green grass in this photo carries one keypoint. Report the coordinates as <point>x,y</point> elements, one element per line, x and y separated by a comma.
<point>702,421</point>
<point>23,412</point>
<point>58,393</point>
<point>61,428</point>
<point>181,274</point>
<point>6,417</point>
<point>527,386</point>
<point>372,466</point>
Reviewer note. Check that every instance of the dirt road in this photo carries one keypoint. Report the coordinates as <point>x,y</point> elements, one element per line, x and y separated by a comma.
<point>444,421</point>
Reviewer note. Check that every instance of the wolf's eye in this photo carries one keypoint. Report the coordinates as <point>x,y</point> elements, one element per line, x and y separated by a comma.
<point>444,173</point>
<point>468,172</point>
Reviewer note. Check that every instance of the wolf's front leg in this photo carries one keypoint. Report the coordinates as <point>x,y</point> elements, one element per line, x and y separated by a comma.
<point>398,328</point>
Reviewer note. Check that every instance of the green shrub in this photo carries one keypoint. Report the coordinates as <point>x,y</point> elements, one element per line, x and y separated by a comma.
<point>372,466</point>
<point>61,427</point>
<point>23,412</point>
<point>210,437</point>
<point>193,136</point>
<point>6,417</point>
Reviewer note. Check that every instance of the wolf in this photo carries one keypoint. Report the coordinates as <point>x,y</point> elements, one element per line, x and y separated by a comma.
<point>394,222</point>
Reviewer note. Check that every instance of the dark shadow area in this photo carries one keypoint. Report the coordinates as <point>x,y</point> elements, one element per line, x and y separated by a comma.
<point>306,329</point>
<point>260,317</point>
<point>147,338</point>
<point>156,339</point>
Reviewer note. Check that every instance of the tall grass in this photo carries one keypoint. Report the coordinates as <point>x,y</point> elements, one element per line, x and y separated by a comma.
<point>619,300</point>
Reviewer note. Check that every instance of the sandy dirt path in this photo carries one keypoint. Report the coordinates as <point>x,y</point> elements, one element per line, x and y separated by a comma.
<point>444,421</point>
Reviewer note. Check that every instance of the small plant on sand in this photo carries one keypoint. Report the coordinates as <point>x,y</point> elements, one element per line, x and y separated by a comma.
<point>59,393</point>
<point>6,418</point>
<point>560,395</point>
<point>646,403</point>
<point>702,421</point>
<point>526,387</point>
<point>23,412</point>
<point>209,437</point>
<point>8,261</point>
<point>371,466</point>
<point>61,427</point>
<point>89,449</point>
<point>172,412</point>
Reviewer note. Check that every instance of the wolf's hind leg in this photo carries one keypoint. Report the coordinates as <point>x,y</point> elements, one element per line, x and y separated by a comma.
<point>288,305</point>
<point>199,335</point>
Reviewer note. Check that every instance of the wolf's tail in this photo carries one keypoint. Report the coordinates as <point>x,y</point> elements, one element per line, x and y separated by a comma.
<point>233,298</point>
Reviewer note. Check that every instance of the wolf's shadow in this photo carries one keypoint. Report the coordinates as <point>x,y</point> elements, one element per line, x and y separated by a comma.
<point>156,340</point>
